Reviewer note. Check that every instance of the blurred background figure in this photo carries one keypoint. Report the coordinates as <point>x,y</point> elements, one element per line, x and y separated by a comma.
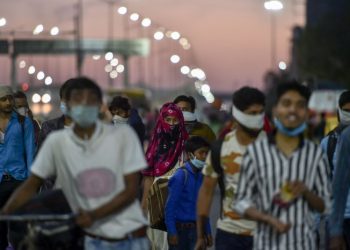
<point>124,113</point>
<point>187,104</point>
<point>22,107</point>
<point>61,122</point>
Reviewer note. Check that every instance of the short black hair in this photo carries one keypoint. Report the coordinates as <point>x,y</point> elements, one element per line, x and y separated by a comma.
<point>194,143</point>
<point>81,83</point>
<point>245,97</point>
<point>64,88</point>
<point>184,98</point>
<point>120,102</point>
<point>19,94</point>
<point>344,98</point>
<point>284,87</point>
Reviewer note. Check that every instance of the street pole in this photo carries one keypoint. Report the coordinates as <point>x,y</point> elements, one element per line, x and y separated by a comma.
<point>79,30</point>
<point>110,33</point>
<point>273,40</point>
<point>126,71</point>
<point>13,57</point>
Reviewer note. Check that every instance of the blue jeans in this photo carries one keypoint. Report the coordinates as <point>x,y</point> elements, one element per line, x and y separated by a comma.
<point>187,239</point>
<point>128,244</point>
<point>228,241</point>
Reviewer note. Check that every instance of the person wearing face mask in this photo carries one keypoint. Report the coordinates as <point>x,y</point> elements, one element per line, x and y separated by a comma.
<point>284,177</point>
<point>187,104</point>
<point>123,113</point>
<point>64,121</point>
<point>233,231</point>
<point>330,145</point>
<point>96,173</point>
<point>17,149</point>
<point>183,188</point>
<point>164,155</point>
<point>22,108</point>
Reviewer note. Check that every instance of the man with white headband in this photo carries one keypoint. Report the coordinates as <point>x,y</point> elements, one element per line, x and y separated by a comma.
<point>283,178</point>
<point>187,104</point>
<point>233,232</point>
<point>330,144</point>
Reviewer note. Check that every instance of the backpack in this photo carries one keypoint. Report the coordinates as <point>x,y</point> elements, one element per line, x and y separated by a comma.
<point>332,143</point>
<point>215,152</point>
<point>157,198</point>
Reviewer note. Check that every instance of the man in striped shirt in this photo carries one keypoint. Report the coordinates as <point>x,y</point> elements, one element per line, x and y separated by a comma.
<point>284,178</point>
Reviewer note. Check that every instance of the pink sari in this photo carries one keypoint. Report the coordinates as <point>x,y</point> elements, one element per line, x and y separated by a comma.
<point>167,142</point>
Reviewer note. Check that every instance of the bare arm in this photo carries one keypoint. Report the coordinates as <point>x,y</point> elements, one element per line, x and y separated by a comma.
<point>23,194</point>
<point>254,214</point>
<point>204,200</point>
<point>147,183</point>
<point>314,201</point>
<point>118,203</point>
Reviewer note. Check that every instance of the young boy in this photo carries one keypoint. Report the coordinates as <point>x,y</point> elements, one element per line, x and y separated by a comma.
<point>180,209</point>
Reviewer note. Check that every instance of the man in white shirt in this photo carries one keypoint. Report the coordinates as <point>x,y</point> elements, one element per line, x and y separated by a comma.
<point>96,165</point>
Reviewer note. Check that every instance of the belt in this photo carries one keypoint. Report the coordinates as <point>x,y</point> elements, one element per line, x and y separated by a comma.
<point>138,233</point>
<point>182,225</point>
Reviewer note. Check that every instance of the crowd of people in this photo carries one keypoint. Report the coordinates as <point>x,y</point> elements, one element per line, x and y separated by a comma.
<point>278,189</point>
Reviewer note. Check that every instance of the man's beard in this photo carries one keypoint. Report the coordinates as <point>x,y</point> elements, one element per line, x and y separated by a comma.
<point>6,110</point>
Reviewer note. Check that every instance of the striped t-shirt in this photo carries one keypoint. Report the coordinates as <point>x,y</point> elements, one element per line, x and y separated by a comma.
<point>264,171</point>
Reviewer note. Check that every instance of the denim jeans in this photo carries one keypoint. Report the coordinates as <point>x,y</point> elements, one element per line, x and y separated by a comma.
<point>6,189</point>
<point>187,239</point>
<point>346,232</point>
<point>128,244</point>
<point>227,241</point>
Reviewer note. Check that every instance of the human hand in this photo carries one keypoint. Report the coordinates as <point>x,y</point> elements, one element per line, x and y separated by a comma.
<point>297,188</point>
<point>201,244</point>
<point>278,225</point>
<point>84,219</point>
<point>209,240</point>
<point>337,243</point>
<point>173,240</point>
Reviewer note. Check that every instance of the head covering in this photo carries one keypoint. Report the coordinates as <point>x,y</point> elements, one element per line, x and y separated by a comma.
<point>164,136</point>
<point>5,91</point>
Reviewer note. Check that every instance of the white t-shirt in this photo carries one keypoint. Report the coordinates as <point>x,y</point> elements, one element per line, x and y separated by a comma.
<point>91,173</point>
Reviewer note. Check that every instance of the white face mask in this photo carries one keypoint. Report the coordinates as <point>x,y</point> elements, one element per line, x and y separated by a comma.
<point>22,111</point>
<point>344,117</point>
<point>250,121</point>
<point>189,116</point>
<point>119,120</point>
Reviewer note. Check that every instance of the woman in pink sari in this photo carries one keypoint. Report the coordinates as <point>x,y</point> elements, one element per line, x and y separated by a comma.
<point>166,146</point>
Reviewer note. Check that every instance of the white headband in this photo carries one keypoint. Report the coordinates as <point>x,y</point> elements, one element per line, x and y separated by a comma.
<point>250,121</point>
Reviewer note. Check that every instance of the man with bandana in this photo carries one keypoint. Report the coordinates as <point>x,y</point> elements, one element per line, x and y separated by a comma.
<point>96,173</point>
<point>233,231</point>
<point>187,104</point>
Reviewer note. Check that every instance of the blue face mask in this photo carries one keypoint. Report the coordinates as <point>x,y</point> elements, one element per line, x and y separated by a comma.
<point>84,116</point>
<point>63,108</point>
<point>289,132</point>
<point>198,163</point>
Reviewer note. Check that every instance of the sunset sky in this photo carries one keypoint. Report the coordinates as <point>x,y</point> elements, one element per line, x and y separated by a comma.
<point>230,39</point>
